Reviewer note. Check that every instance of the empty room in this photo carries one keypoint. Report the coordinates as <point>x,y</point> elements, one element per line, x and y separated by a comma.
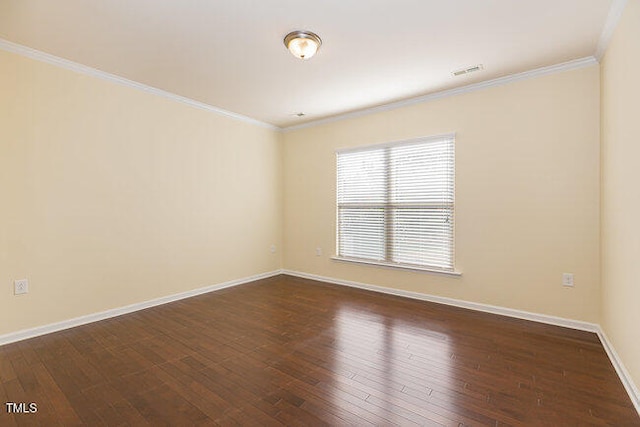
<point>355,212</point>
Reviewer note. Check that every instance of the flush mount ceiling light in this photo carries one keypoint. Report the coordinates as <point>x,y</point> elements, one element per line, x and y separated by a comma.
<point>302,44</point>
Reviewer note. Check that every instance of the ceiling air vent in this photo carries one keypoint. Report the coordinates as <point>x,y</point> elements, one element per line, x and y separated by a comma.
<point>468,70</point>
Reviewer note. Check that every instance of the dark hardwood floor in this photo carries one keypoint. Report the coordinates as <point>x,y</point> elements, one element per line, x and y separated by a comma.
<point>288,351</point>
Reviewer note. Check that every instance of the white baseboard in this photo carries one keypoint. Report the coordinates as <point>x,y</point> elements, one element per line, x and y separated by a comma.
<point>623,374</point>
<point>94,317</point>
<point>625,377</point>
<point>510,312</point>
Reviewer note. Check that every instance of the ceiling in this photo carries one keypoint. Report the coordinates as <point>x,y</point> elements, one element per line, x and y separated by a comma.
<point>229,53</point>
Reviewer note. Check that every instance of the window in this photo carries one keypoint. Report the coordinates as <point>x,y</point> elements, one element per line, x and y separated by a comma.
<point>396,203</point>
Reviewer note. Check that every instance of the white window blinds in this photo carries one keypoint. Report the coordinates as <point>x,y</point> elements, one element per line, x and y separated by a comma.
<point>396,203</point>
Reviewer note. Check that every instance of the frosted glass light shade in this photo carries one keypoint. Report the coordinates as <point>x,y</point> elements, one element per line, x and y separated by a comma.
<point>302,44</point>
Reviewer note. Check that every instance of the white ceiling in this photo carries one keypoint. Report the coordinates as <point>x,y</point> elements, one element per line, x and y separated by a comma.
<point>229,53</point>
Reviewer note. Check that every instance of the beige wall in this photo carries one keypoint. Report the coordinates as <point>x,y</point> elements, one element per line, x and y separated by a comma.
<point>621,190</point>
<point>111,196</point>
<point>527,194</point>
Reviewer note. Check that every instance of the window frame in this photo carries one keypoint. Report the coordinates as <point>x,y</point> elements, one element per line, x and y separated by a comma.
<point>387,206</point>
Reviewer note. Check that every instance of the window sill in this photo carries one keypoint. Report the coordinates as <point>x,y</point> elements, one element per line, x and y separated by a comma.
<point>397,266</point>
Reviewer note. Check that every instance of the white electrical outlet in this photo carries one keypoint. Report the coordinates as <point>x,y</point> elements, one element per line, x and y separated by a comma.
<point>272,249</point>
<point>20,286</point>
<point>567,279</point>
<point>318,251</point>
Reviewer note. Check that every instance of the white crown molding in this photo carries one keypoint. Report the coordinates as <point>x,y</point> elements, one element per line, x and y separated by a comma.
<point>83,69</point>
<point>95,317</point>
<point>558,68</point>
<point>504,311</point>
<point>625,377</point>
<point>615,13</point>
<point>623,374</point>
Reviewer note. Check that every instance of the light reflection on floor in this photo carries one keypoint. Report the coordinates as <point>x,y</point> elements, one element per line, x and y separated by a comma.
<point>385,357</point>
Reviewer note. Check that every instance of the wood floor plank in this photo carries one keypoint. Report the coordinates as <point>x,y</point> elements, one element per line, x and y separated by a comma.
<point>6,368</point>
<point>296,352</point>
<point>66,413</point>
<point>14,389</point>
